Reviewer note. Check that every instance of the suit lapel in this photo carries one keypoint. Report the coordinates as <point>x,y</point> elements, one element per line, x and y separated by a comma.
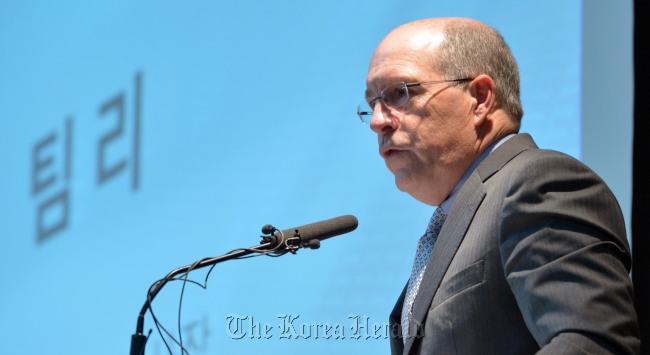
<point>450,237</point>
<point>502,155</point>
<point>453,231</point>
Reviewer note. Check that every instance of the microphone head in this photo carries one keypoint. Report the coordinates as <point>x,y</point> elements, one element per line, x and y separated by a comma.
<point>268,229</point>
<point>328,228</point>
<point>309,235</point>
<point>324,229</point>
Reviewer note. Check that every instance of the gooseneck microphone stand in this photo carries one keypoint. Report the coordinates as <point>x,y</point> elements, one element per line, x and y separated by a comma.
<point>138,340</point>
<point>270,244</point>
<point>277,243</point>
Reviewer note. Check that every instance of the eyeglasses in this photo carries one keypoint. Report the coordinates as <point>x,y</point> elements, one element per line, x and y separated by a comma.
<point>394,96</point>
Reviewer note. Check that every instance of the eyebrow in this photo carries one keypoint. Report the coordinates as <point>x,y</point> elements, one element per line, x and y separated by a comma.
<point>390,81</point>
<point>369,95</point>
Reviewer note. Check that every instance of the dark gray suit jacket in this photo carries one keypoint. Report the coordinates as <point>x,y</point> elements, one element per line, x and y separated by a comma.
<point>533,257</point>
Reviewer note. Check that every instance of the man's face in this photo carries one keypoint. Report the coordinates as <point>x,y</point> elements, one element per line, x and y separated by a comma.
<point>430,141</point>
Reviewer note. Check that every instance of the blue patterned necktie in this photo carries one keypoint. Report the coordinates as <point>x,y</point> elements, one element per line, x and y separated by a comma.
<point>425,246</point>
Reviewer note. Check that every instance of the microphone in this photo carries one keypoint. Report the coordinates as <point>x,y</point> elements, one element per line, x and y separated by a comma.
<point>307,236</point>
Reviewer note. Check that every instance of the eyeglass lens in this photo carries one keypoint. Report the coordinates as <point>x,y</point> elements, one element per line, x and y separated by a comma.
<point>393,96</point>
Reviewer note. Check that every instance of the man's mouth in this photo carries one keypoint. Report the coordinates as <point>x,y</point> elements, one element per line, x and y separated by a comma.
<point>387,151</point>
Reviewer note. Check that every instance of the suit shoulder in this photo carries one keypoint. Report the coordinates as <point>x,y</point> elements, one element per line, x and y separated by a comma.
<point>552,164</point>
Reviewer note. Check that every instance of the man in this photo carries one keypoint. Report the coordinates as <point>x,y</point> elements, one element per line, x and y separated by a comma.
<point>532,254</point>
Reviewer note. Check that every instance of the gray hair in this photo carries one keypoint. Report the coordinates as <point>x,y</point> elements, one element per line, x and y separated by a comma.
<point>470,50</point>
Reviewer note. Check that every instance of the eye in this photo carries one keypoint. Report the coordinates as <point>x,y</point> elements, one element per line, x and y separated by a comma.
<point>372,102</point>
<point>395,95</point>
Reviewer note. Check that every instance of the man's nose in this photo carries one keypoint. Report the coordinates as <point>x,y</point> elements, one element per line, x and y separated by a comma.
<point>382,120</point>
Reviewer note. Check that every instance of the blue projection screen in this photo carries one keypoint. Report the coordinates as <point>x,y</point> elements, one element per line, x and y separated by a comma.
<point>140,136</point>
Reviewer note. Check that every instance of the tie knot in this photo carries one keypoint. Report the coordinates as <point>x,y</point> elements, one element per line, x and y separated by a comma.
<point>435,224</point>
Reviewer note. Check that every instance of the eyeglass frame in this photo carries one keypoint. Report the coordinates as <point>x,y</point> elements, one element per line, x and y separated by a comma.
<point>406,85</point>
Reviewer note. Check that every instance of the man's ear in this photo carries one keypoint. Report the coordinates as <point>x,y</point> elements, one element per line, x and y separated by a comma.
<point>482,89</point>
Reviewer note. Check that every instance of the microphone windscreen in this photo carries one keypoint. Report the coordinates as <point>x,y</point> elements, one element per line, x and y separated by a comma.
<point>324,229</point>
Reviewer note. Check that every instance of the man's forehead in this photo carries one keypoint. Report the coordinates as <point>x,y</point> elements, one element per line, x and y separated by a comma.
<point>404,57</point>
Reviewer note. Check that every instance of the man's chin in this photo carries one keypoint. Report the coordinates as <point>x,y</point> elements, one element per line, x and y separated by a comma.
<point>404,181</point>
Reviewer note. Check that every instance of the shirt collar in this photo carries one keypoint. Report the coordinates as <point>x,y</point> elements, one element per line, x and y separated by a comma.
<point>446,205</point>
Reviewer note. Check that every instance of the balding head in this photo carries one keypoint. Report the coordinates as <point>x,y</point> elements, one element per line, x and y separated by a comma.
<point>441,92</point>
<point>460,48</point>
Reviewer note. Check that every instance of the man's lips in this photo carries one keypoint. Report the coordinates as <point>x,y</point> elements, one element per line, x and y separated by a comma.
<point>387,151</point>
